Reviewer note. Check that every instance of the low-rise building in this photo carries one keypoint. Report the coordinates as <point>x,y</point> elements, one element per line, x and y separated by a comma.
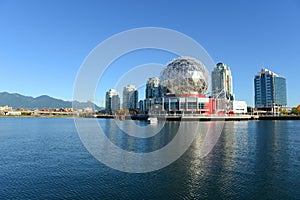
<point>239,107</point>
<point>13,113</point>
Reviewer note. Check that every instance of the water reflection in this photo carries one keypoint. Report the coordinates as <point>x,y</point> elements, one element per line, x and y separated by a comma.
<point>223,166</point>
<point>140,129</point>
<point>272,156</point>
<point>251,160</point>
<point>251,156</point>
<point>136,144</point>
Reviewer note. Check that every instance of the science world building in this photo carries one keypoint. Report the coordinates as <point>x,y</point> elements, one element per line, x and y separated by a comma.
<point>183,84</point>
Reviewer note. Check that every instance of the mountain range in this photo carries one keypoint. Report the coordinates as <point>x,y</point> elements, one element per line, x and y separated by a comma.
<point>16,100</point>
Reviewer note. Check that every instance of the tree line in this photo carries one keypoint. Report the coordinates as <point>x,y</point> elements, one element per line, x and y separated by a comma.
<point>294,111</point>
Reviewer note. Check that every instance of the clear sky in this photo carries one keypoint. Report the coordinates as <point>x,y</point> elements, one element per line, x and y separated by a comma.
<point>43,43</point>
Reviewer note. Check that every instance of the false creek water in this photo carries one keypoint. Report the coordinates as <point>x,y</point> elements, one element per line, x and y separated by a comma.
<point>45,159</point>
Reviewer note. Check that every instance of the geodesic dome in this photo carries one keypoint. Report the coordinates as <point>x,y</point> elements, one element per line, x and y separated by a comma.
<point>185,75</point>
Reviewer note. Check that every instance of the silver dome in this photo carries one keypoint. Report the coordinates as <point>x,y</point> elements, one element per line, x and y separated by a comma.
<point>185,75</point>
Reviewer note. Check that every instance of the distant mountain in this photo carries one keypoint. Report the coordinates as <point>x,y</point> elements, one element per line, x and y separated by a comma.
<point>19,101</point>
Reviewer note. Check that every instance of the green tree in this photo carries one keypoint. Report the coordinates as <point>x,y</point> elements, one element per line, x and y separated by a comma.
<point>296,110</point>
<point>123,112</point>
<point>284,111</point>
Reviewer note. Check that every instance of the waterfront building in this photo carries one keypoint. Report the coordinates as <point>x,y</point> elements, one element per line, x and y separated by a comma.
<point>182,89</point>
<point>238,107</point>
<point>5,108</point>
<point>141,105</point>
<point>221,80</point>
<point>153,94</point>
<point>153,89</point>
<point>14,113</point>
<point>270,91</point>
<point>130,97</point>
<point>193,103</point>
<point>112,102</point>
<point>185,82</point>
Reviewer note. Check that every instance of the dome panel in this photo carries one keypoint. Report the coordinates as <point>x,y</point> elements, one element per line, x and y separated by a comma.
<point>185,75</point>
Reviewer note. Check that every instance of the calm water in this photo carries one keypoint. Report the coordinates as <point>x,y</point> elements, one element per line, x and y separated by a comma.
<point>44,158</point>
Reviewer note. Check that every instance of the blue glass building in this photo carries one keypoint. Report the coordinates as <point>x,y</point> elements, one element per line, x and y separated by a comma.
<point>270,91</point>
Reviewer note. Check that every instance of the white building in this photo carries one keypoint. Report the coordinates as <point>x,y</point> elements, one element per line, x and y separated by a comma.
<point>130,97</point>
<point>239,107</point>
<point>222,82</point>
<point>14,113</point>
<point>112,102</point>
<point>153,89</point>
<point>5,108</point>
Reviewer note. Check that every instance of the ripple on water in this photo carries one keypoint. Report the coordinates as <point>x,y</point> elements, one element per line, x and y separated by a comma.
<point>45,159</point>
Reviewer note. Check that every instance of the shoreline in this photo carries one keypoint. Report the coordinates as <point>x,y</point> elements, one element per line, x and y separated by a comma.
<point>201,117</point>
<point>143,117</point>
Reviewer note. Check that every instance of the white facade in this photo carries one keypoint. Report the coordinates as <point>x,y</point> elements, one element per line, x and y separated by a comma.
<point>222,82</point>
<point>130,97</point>
<point>239,107</point>
<point>112,102</point>
<point>14,113</point>
<point>5,108</point>
<point>153,88</point>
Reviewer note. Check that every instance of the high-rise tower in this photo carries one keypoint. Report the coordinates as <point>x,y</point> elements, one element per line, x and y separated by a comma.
<point>112,101</point>
<point>222,82</point>
<point>153,88</point>
<point>270,90</point>
<point>130,97</point>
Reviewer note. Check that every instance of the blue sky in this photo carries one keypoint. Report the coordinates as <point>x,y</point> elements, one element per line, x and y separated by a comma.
<point>44,43</point>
